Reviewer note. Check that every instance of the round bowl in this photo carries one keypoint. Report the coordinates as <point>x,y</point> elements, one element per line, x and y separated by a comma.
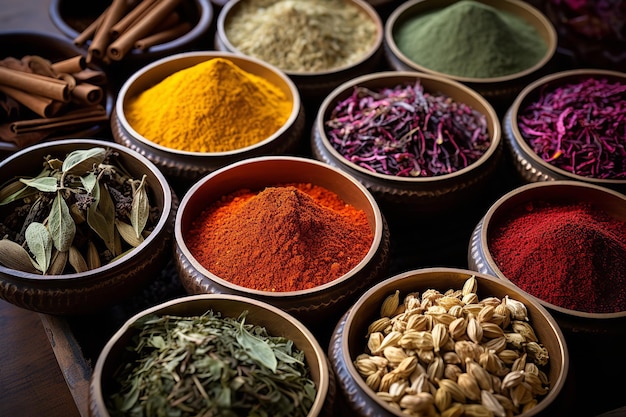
<point>500,90</point>
<point>349,339</point>
<point>313,305</point>
<point>190,166</point>
<point>54,48</point>
<point>480,256</point>
<point>90,291</point>
<point>71,17</point>
<point>313,85</point>
<point>275,321</point>
<point>409,196</point>
<point>530,166</point>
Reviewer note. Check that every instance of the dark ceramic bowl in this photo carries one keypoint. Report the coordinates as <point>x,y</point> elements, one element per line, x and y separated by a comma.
<point>480,257</point>
<point>314,86</point>
<point>530,166</point>
<point>275,321</point>
<point>348,340</point>
<point>188,166</point>
<point>71,17</point>
<point>18,44</point>
<point>79,293</point>
<point>500,91</point>
<point>314,305</point>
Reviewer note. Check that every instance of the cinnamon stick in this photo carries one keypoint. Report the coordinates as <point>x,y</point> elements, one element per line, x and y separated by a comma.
<point>132,17</point>
<point>93,114</point>
<point>122,45</point>
<point>44,107</point>
<point>35,84</point>
<point>102,36</point>
<point>90,30</point>
<point>85,93</point>
<point>162,37</point>
<point>70,65</point>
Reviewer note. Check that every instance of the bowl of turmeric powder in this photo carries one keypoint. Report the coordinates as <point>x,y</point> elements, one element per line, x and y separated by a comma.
<point>290,231</point>
<point>195,112</point>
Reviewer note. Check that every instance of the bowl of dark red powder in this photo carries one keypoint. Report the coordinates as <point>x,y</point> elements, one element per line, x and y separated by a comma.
<point>564,242</point>
<point>293,232</point>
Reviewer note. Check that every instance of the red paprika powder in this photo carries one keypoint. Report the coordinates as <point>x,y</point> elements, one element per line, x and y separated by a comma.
<point>570,255</point>
<point>284,238</point>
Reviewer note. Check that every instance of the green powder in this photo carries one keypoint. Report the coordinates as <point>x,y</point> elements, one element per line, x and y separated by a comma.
<point>471,39</point>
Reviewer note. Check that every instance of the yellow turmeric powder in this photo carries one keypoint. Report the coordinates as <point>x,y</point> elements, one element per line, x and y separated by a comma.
<point>214,106</point>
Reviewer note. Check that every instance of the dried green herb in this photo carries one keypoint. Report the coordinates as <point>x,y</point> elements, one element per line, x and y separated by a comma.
<point>77,202</point>
<point>210,365</point>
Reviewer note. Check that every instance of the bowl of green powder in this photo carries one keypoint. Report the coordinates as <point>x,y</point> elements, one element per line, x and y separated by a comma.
<point>495,46</point>
<point>195,112</point>
<point>212,355</point>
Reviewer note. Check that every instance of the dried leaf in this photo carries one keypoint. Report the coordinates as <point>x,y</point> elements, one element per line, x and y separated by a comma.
<point>257,349</point>
<point>140,208</point>
<point>89,181</point>
<point>40,243</point>
<point>101,217</point>
<point>81,162</point>
<point>14,256</point>
<point>61,224</point>
<point>44,184</point>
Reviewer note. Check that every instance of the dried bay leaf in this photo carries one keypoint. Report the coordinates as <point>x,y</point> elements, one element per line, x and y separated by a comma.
<point>83,161</point>
<point>61,224</point>
<point>43,184</point>
<point>14,256</point>
<point>140,209</point>
<point>89,181</point>
<point>40,243</point>
<point>101,217</point>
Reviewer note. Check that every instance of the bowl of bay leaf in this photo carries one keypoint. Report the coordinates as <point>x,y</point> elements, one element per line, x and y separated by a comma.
<point>218,355</point>
<point>83,224</point>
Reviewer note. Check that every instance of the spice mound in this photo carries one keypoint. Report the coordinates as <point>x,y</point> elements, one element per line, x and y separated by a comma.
<point>455,354</point>
<point>210,365</point>
<point>406,132</point>
<point>214,106</point>
<point>302,36</point>
<point>569,255</point>
<point>284,238</point>
<point>471,39</point>
<point>579,127</point>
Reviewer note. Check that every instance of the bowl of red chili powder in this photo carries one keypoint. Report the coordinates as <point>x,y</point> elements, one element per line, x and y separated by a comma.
<point>570,125</point>
<point>290,231</point>
<point>563,242</point>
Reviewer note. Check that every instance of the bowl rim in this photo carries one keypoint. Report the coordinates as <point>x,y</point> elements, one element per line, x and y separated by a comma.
<point>354,310</point>
<point>551,42</point>
<point>524,189</point>
<point>331,99</point>
<point>324,368</point>
<point>195,33</point>
<point>554,80</point>
<point>209,55</point>
<point>363,5</point>
<point>263,160</point>
<point>94,273</point>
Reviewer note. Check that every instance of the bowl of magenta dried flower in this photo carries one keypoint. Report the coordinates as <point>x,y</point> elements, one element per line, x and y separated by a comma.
<point>212,355</point>
<point>570,126</point>
<point>447,341</point>
<point>290,231</point>
<point>84,223</point>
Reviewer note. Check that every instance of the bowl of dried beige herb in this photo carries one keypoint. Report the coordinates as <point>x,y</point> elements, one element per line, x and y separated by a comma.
<point>213,355</point>
<point>449,341</point>
<point>83,223</point>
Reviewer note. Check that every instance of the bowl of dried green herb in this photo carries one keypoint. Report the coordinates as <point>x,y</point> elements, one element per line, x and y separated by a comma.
<point>319,44</point>
<point>570,125</point>
<point>451,342</point>
<point>84,223</point>
<point>290,231</point>
<point>213,354</point>
<point>495,46</point>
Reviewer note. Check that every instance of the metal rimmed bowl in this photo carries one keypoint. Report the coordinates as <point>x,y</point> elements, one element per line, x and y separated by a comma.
<point>186,166</point>
<point>500,91</point>
<point>528,164</point>
<point>315,305</point>
<point>275,321</point>
<point>349,338</point>
<point>314,86</point>
<point>86,292</point>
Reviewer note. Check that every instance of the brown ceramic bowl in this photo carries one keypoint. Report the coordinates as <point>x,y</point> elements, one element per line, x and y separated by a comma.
<point>314,86</point>
<point>528,164</point>
<point>500,91</point>
<point>188,166</point>
<point>79,293</point>
<point>314,305</point>
<point>411,196</point>
<point>276,322</point>
<point>54,48</point>
<point>481,259</point>
<point>348,339</point>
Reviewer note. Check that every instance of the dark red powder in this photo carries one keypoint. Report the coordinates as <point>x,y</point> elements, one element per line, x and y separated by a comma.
<point>570,255</point>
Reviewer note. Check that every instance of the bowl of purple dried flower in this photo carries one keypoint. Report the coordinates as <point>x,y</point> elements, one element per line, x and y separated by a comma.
<point>421,143</point>
<point>570,125</point>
